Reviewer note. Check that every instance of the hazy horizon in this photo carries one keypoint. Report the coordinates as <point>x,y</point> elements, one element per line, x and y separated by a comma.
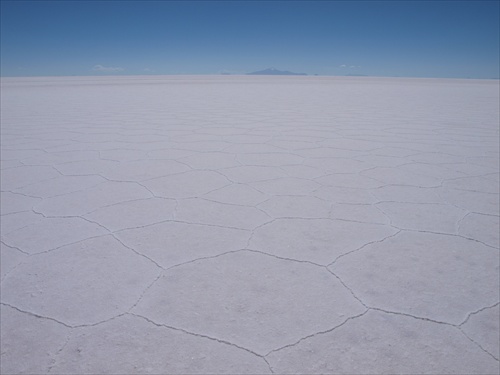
<point>440,39</point>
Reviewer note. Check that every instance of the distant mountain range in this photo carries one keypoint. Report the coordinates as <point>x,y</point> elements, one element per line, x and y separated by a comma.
<point>275,72</point>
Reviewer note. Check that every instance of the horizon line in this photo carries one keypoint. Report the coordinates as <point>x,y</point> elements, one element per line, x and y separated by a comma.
<point>245,74</point>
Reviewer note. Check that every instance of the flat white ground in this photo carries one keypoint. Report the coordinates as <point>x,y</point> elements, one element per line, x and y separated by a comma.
<point>249,225</point>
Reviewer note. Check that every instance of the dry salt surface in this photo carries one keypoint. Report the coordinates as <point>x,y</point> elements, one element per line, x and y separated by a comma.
<point>249,225</point>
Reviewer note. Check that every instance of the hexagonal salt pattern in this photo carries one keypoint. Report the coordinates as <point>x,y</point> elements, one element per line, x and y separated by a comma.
<point>61,186</point>
<point>432,276</point>
<point>190,184</point>
<point>320,241</point>
<point>18,220</point>
<point>172,243</point>
<point>11,203</point>
<point>203,211</point>
<point>135,213</point>
<point>380,343</point>
<point>15,178</point>
<point>239,194</point>
<point>91,199</point>
<point>80,284</point>
<point>430,217</point>
<point>242,224</point>
<point>252,173</point>
<point>252,300</point>
<point>297,206</point>
<point>143,347</point>
<point>10,258</point>
<point>482,326</point>
<point>140,170</point>
<point>29,343</point>
<point>481,228</point>
<point>52,233</point>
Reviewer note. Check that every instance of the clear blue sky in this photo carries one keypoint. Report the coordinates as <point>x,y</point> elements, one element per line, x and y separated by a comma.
<point>382,38</point>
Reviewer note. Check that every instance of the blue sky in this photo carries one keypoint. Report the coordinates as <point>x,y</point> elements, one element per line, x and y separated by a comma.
<point>382,38</point>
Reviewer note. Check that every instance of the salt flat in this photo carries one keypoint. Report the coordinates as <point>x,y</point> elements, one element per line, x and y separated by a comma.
<point>233,224</point>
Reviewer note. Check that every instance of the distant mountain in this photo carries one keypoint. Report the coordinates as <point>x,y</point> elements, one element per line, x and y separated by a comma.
<point>275,72</point>
<point>355,75</point>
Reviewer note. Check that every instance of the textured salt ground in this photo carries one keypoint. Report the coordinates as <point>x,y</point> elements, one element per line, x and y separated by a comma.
<point>249,225</point>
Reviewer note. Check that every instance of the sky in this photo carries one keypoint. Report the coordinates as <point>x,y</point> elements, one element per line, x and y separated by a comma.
<point>446,39</point>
